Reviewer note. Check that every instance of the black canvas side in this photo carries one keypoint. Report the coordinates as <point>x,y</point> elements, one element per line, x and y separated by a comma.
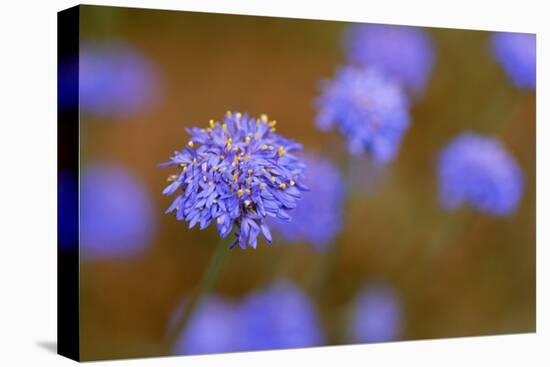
<point>68,329</point>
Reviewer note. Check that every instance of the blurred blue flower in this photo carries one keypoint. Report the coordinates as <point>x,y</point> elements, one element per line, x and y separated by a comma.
<point>116,80</point>
<point>116,215</point>
<point>319,217</point>
<point>517,54</point>
<point>404,53</point>
<point>280,316</point>
<point>237,173</point>
<point>377,315</point>
<point>214,328</point>
<point>479,171</point>
<point>67,210</point>
<point>370,110</point>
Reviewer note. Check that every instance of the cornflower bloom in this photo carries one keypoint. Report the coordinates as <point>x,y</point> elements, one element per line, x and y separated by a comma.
<point>236,173</point>
<point>479,171</point>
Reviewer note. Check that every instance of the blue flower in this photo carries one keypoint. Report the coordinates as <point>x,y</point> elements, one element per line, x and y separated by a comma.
<point>403,53</point>
<point>377,315</point>
<point>236,173</point>
<point>116,80</point>
<point>116,212</point>
<point>369,109</point>
<point>319,217</point>
<point>213,329</point>
<point>67,210</point>
<point>280,316</point>
<point>478,170</point>
<point>517,54</point>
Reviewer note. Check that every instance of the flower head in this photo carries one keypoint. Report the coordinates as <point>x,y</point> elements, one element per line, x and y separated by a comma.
<point>280,316</point>
<point>319,217</point>
<point>211,330</point>
<point>115,80</point>
<point>236,173</point>
<point>369,109</point>
<point>404,53</point>
<point>116,212</point>
<point>377,315</point>
<point>517,54</point>
<point>479,171</point>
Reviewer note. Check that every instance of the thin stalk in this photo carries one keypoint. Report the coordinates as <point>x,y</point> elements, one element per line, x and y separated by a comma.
<point>205,287</point>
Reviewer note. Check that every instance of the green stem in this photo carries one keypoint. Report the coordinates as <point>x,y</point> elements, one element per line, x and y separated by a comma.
<point>205,287</point>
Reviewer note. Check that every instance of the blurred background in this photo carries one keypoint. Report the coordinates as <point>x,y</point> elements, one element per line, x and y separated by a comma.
<point>401,268</point>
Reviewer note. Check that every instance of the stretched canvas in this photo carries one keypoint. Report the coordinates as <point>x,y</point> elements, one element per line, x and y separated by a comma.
<point>233,183</point>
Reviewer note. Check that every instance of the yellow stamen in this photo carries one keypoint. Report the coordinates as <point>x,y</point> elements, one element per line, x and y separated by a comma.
<point>264,147</point>
<point>247,140</point>
<point>235,177</point>
<point>247,191</point>
<point>212,124</point>
<point>229,114</point>
<point>262,186</point>
<point>248,180</point>
<point>229,141</point>
<point>263,117</point>
<point>239,115</point>
<point>256,136</point>
<point>194,160</point>
<point>190,143</point>
<point>247,158</point>
<point>292,183</point>
<point>219,220</point>
<point>240,193</point>
<point>272,130</point>
<point>282,185</point>
<point>250,171</point>
<point>246,202</point>
<point>281,151</point>
<point>273,123</point>
<point>272,179</point>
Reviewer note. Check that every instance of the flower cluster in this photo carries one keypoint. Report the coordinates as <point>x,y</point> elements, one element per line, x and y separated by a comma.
<point>479,171</point>
<point>115,80</point>
<point>368,108</point>
<point>211,330</point>
<point>280,316</point>
<point>116,215</point>
<point>236,173</point>
<point>377,315</point>
<point>319,217</point>
<point>403,53</point>
<point>517,54</point>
